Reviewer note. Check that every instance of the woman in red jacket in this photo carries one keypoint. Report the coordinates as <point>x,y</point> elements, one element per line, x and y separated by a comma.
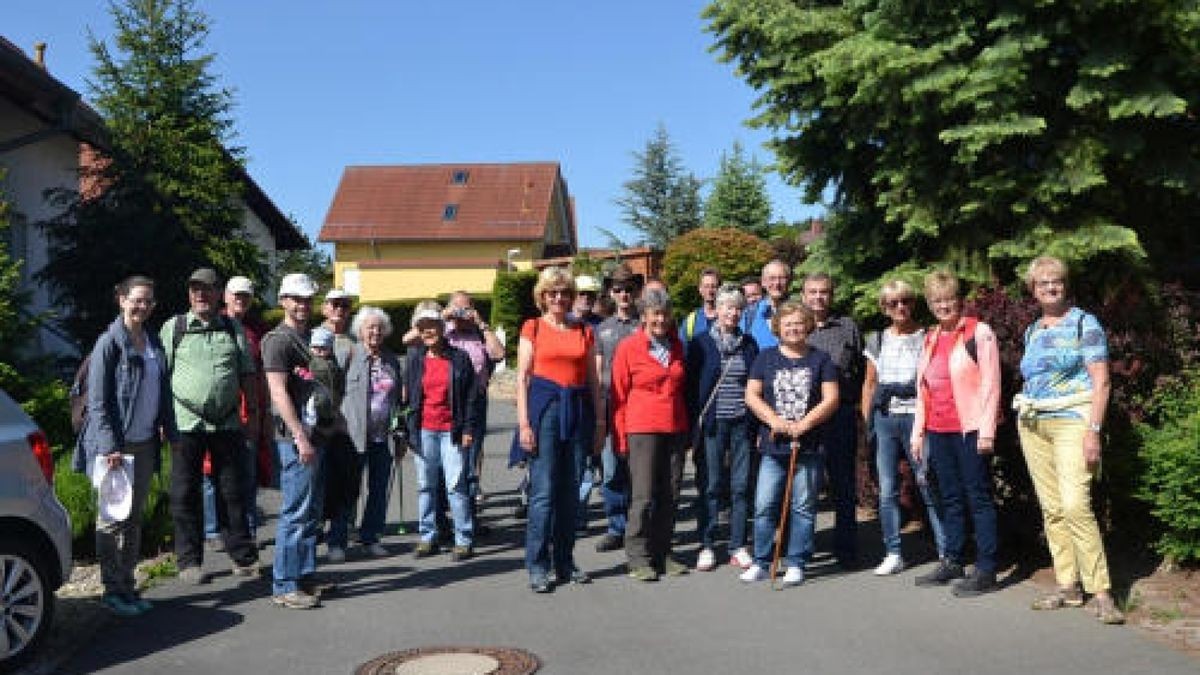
<point>650,423</point>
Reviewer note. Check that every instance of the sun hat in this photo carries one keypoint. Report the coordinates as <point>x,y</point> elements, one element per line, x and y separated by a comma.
<point>297,284</point>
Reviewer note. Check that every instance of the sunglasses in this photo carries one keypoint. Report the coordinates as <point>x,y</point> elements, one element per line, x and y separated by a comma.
<point>901,302</point>
<point>340,304</point>
<point>622,289</point>
<point>560,293</point>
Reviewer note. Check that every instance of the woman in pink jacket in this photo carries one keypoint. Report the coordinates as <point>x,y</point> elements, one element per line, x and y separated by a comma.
<point>958,394</point>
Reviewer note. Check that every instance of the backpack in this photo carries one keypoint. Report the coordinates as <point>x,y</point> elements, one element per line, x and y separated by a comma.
<point>79,392</point>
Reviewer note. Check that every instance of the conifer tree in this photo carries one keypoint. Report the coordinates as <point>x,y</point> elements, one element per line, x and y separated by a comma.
<point>662,200</point>
<point>739,195</point>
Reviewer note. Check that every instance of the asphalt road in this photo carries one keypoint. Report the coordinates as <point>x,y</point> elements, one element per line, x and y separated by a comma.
<point>700,623</point>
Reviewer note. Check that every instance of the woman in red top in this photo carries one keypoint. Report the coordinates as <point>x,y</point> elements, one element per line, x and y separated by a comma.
<point>650,420</point>
<point>558,424</point>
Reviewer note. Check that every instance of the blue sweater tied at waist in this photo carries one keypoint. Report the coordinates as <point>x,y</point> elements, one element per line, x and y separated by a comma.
<point>575,413</point>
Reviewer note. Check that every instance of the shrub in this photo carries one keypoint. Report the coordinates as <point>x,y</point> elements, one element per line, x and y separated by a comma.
<point>1170,483</point>
<point>734,253</point>
<point>512,303</point>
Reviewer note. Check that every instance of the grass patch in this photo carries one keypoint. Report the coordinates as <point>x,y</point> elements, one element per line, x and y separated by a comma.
<point>1166,614</point>
<point>162,567</point>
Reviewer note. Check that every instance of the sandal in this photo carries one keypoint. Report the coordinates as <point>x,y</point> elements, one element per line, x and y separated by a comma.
<point>1107,612</point>
<point>1059,598</point>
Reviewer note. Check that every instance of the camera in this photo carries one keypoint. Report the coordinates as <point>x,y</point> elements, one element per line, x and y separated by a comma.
<point>460,313</point>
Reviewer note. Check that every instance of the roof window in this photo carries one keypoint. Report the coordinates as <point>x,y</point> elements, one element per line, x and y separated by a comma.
<point>450,212</point>
<point>460,177</point>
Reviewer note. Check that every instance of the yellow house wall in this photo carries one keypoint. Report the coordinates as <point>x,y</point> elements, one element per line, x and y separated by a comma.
<point>381,284</point>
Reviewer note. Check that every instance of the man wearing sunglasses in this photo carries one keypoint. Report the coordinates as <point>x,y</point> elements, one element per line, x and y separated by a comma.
<point>623,322</point>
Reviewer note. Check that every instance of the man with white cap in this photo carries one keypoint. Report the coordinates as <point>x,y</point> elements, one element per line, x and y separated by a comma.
<point>285,358</point>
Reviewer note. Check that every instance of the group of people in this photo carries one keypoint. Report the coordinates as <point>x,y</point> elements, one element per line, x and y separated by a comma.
<point>765,394</point>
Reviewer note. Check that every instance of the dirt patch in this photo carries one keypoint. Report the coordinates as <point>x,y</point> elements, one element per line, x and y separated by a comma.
<point>503,385</point>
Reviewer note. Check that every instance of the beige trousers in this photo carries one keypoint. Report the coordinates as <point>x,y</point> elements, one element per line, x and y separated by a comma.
<point>1053,449</point>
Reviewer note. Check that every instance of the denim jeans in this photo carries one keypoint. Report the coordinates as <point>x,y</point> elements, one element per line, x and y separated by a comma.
<point>301,494</point>
<point>717,481</point>
<point>892,434</point>
<point>440,454</point>
<point>964,481</point>
<point>768,498</point>
<point>377,462</point>
<point>615,489</point>
<point>553,498</point>
<point>585,492</point>
<point>476,450</point>
<point>841,449</point>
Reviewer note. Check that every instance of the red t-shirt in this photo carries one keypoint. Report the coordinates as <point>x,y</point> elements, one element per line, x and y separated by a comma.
<point>435,407</point>
<point>941,415</point>
<point>559,355</point>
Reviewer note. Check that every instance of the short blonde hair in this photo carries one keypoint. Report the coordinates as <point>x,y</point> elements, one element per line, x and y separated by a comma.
<point>939,282</point>
<point>1045,263</point>
<point>551,277</point>
<point>898,288</point>
<point>789,308</point>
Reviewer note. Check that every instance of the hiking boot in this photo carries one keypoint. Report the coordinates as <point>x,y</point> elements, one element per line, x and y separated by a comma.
<point>578,576</point>
<point>248,571</point>
<point>335,555</point>
<point>143,605</point>
<point>540,583</point>
<point>610,542</point>
<point>673,568</point>
<point>977,583</point>
<point>193,576</point>
<point>425,549</point>
<point>119,605</point>
<point>1059,598</point>
<point>461,553</point>
<point>295,600</point>
<point>1107,611</point>
<point>943,574</point>
<point>643,573</point>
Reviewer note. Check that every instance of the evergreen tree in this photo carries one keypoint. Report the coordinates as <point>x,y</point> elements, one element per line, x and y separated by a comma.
<point>981,133</point>
<point>739,195</point>
<point>164,197</point>
<point>14,327</point>
<point>662,200</point>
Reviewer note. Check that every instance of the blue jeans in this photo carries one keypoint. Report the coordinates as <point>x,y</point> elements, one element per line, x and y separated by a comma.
<point>713,479</point>
<point>841,448</point>
<point>585,492</point>
<point>439,453</point>
<point>377,461</point>
<point>768,497</point>
<point>964,480</point>
<point>299,517</point>
<point>892,437</point>
<point>615,489</point>
<point>553,497</point>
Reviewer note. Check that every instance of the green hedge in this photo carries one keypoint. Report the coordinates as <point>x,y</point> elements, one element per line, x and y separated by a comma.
<point>1170,482</point>
<point>77,495</point>
<point>512,303</point>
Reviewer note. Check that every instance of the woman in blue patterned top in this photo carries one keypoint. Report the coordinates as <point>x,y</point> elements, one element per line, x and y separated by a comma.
<point>1061,413</point>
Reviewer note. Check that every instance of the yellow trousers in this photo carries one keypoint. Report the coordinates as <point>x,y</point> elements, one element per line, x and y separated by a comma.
<point>1053,449</point>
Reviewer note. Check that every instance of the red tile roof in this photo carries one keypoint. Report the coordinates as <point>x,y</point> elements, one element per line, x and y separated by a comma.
<point>408,203</point>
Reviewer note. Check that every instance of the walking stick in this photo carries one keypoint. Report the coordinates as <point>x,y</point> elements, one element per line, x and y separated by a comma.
<point>783,512</point>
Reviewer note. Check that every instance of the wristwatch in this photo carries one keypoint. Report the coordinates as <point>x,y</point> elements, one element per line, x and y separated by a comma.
<point>1094,427</point>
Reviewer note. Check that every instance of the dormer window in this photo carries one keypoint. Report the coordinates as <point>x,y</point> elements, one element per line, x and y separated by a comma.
<point>460,177</point>
<point>450,212</point>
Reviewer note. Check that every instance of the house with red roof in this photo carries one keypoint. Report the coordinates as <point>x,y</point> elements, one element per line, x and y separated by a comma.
<point>421,230</point>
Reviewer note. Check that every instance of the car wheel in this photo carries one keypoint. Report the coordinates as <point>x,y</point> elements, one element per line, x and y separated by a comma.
<point>26,603</point>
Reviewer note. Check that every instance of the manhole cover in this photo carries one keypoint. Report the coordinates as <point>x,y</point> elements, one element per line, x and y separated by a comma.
<point>453,661</point>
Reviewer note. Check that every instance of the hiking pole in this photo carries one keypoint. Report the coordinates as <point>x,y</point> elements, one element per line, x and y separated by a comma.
<point>783,513</point>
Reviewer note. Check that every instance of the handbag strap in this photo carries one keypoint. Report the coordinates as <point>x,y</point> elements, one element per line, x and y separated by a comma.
<point>717,387</point>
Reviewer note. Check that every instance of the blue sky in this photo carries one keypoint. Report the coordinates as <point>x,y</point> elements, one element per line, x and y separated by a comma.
<point>322,85</point>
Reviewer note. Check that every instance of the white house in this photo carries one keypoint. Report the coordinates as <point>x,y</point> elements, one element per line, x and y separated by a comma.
<point>46,130</point>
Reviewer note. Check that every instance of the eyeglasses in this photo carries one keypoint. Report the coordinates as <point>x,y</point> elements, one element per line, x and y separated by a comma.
<point>1049,283</point>
<point>340,304</point>
<point>560,293</point>
<point>622,289</point>
<point>898,302</point>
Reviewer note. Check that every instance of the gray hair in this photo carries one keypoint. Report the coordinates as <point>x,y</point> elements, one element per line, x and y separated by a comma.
<point>654,300</point>
<point>730,294</point>
<point>368,312</point>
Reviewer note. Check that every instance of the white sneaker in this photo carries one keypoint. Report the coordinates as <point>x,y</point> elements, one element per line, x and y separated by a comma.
<point>706,561</point>
<point>793,577</point>
<point>335,554</point>
<point>741,559</point>
<point>892,564</point>
<point>377,550</point>
<point>753,573</point>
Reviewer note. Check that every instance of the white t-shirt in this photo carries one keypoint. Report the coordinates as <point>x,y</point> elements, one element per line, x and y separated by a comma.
<point>897,364</point>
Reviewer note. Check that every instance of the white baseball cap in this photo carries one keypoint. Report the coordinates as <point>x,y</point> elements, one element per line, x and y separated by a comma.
<point>239,285</point>
<point>585,283</point>
<point>115,494</point>
<point>298,284</point>
<point>336,294</point>
<point>426,314</point>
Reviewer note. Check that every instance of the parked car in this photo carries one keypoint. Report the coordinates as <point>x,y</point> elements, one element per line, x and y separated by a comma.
<point>35,535</point>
